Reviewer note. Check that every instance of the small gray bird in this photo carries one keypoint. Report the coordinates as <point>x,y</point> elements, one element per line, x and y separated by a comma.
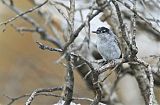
<point>107,44</point>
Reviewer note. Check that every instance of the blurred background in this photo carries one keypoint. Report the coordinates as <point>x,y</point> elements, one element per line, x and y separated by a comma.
<point>24,67</point>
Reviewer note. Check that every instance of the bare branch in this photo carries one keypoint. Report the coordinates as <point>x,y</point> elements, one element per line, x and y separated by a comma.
<point>69,78</point>
<point>64,16</point>
<point>43,47</point>
<point>44,35</point>
<point>59,3</point>
<point>122,25</point>
<point>152,100</point>
<point>34,93</point>
<point>141,17</point>
<point>23,13</point>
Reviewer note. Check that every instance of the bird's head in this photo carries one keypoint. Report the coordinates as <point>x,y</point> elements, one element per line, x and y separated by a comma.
<point>101,30</point>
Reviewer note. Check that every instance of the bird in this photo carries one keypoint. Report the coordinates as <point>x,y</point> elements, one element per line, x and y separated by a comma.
<point>107,44</point>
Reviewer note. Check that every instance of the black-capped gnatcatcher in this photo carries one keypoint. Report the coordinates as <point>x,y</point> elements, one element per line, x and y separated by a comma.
<point>107,44</point>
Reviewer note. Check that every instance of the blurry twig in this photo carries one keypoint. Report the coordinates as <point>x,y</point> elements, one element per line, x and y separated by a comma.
<point>141,17</point>
<point>44,35</point>
<point>59,3</point>
<point>21,14</point>
<point>64,16</point>
<point>87,22</point>
<point>23,29</point>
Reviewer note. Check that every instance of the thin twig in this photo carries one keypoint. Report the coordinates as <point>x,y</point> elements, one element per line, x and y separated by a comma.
<point>13,99</point>
<point>40,90</point>
<point>69,81</point>
<point>42,32</point>
<point>111,71</point>
<point>109,65</point>
<point>134,49</point>
<point>23,29</point>
<point>59,3</point>
<point>152,100</point>
<point>23,13</point>
<point>43,47</point>
<point>69,78</point>
<point>122,25</point>
<point>64,16</point>
<point>141,17</point>
<point>87,22</point>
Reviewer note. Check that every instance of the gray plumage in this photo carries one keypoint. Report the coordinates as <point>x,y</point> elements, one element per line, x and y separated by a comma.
<point>107,44</point>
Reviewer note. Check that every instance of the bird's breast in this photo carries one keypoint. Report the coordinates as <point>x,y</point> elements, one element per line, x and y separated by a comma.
<point>108,48</point>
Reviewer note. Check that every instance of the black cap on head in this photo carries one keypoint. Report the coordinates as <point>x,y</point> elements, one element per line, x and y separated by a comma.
<point>101,30</point>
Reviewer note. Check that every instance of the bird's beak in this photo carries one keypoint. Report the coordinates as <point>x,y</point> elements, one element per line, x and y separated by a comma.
<point>94,31</point>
